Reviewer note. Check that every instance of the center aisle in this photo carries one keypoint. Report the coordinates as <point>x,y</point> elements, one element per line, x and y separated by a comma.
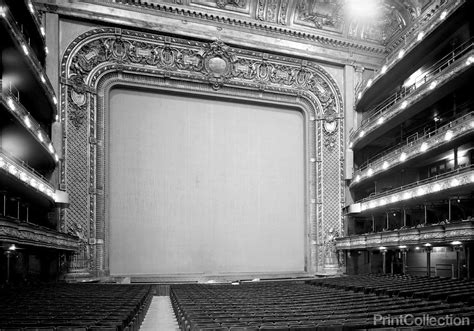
<point>160,315</point>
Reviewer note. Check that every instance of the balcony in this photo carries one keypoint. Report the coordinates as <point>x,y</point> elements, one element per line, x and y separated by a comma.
<point>416,146</point>
<point>29,234</point>
<point>433,234</point>
<point>10,100</point>
<point>433,84</point>
<point>406,51</point>
<point>21,62</point>
<point>458,181</point>
<point>31,180</point>
<point>23,11</point>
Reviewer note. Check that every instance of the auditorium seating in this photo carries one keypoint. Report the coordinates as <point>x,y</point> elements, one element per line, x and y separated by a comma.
<point>329,304</point>
<point>74,307</point>
<point>430,288</point>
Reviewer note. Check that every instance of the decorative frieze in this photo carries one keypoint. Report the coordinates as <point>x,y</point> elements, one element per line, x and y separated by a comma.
<point>433,234</point>
<point>27,234</point>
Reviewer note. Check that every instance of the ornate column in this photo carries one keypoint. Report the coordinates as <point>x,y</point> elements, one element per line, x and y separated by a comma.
<point>332,196</point>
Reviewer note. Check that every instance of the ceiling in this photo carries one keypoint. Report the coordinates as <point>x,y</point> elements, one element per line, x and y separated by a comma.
<point>379,23</point>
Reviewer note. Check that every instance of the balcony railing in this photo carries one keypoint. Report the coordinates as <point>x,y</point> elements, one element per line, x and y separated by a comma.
<point>11,98</point>
<point>453,179</point>
<point>415,35</point>
<point>31,59</point>
<point>26,174</point>
<point>415,146</point>
<point>28,234</point>
<point>462,55</point>
<point>34,17</point>
<point>434,234</point>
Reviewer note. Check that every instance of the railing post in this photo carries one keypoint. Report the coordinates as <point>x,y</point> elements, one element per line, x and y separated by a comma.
<point>384,261</point>
<point>404,217</point>
<point>404,260</point>
<point>458,249</point>
<point>428,261</point>
<point>468,262</point>
<point>449,209</point>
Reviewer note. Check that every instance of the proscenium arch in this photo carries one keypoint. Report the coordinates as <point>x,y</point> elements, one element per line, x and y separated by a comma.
<point>102,58</point>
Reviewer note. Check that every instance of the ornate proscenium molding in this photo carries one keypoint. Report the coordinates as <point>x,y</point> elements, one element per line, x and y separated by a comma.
<point>101,58</point>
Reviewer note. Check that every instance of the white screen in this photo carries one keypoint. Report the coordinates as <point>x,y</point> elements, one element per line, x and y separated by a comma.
<point>204,186</point>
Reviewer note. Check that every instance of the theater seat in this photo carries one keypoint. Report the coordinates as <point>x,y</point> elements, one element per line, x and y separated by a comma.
<point>303,327</point>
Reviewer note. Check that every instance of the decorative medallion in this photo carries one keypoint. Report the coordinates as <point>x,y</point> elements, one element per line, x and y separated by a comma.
<point>218,64</point>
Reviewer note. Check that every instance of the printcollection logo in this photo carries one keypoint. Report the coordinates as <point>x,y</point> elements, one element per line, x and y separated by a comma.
<point>425,320</point>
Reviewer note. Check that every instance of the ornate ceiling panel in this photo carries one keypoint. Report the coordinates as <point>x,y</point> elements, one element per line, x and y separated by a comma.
<point>320,14</point>
<point>389,17</point>
<point>239,6</point>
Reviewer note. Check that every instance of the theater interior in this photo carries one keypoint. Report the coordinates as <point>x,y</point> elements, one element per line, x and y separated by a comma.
<point>236,165</point>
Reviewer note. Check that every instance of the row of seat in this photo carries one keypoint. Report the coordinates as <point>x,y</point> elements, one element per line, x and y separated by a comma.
<point>431,288</point>
<point>74,307</point>
<point>294,306</point>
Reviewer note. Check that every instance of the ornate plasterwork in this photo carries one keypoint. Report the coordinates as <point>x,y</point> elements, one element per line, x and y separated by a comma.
<point>101,58</point>
<point>324,15</point>
<point>239,6</point>
<point>436,233</point>
<point>29,235</point>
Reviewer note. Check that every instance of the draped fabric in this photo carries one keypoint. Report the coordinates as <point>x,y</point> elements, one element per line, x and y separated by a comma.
<point>206,186</point>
